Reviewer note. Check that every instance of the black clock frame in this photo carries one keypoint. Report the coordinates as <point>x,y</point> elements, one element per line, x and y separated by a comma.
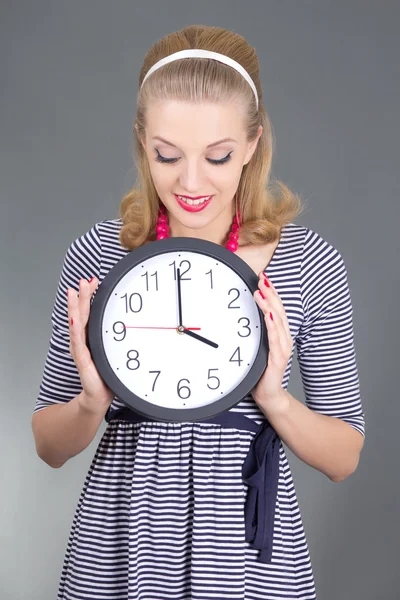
<point>95,338</point>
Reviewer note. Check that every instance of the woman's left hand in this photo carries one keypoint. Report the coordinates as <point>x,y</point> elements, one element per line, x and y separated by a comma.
<point>269,393</point>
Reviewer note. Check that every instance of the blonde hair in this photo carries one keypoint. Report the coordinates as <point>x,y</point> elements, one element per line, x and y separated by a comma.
<point>265,205</point>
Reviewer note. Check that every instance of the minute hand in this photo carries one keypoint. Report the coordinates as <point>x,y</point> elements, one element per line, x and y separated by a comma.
<point>178,279</point>
<point>200,338</point>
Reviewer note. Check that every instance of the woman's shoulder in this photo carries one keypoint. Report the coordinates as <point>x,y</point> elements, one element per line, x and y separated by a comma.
<point>322,269</point>
<point>109,228</point>
<point>99,229</point>
<point>97,244</point>
<point>101,232</point>
<point>317,261</point>
<point>314,245</point>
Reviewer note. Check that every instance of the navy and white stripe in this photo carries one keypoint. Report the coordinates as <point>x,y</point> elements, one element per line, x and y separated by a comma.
<point>161,512</point>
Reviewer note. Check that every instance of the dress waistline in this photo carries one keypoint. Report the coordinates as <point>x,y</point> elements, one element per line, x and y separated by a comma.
<point>260,471</point>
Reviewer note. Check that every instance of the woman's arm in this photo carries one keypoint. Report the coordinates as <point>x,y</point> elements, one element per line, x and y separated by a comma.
<point>62,431</point>
<point>326,443</point>
<point>328,431</point>
<point>61,425</point>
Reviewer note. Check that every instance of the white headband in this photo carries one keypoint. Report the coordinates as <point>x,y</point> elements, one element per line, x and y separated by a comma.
<point>204,54</point>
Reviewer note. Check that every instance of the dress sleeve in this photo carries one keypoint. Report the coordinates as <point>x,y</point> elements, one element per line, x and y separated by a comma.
<point>325,342</point>
<point>60,380</point>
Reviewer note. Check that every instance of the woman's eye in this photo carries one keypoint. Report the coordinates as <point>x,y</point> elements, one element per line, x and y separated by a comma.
<point>162,159</point>
<point>222,161</point>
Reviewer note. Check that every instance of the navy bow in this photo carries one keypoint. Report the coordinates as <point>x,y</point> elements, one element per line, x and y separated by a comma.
<point>260,471</point>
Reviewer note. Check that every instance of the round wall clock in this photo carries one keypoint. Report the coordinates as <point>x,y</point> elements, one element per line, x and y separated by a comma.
<point>175,332</point>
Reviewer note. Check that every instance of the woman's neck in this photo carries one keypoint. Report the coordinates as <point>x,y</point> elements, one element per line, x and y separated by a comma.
<point>216,232</point>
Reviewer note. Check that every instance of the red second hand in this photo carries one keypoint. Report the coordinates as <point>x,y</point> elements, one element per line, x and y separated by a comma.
<point>135,327</point>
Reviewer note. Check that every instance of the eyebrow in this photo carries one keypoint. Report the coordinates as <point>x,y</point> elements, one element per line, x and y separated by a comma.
<point>209,145</point>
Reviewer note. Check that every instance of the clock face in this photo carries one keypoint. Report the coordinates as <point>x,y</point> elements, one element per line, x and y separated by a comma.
<point>149,355</point>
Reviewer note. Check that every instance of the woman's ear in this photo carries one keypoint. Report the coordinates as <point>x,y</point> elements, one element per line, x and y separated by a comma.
<point>253,146</point>
<point>137,133</point>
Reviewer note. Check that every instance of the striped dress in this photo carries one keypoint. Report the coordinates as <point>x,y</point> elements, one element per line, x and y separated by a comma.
<point>161,512</point>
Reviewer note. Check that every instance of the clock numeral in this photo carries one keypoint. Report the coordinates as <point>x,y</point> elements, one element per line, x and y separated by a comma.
<point>238,359</point>
<point>245,326</point>
<point>128,305</point>
<point>133,360</point>
<point>213,377</point>
<point>146,275</point>
<point>211,279</point>
<point>238,294</point>
<point>182,272</point>
<point>123,332</point>
<point>179,388</point>
<point>158,372</point>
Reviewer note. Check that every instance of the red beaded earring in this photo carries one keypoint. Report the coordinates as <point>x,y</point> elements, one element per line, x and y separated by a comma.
<point>162,228</point>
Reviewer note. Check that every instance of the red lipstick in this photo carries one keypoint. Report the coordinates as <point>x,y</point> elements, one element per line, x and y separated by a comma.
<point>193,207</point>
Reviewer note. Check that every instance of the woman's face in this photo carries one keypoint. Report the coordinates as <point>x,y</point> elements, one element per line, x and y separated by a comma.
<point>189,134</point>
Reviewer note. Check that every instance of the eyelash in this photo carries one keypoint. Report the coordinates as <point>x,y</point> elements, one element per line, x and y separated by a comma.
<point>224,160</point>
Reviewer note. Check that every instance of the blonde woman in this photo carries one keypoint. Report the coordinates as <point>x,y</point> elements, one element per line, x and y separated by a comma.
<point>162,513</point>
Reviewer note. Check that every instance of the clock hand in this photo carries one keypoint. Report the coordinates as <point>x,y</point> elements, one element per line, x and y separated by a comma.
<point>175,328</point>
<point>178,278</point>
<point>185,329</point>
<point>200,338</point>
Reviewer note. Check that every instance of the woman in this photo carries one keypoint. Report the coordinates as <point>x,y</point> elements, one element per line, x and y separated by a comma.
<point>161,513</point>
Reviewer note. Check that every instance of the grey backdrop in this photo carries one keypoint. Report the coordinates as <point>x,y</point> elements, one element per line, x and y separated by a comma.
<point>330,73</point>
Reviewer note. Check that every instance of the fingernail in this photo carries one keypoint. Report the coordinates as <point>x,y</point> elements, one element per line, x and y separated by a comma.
<point>67,292</point>
<point>271,317</point>
<point>266,282</point>
<point>72,321</point>
<point>91,280</point>
<point>261,294</point>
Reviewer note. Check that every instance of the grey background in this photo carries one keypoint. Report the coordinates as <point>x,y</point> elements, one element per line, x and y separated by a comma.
<point>330,73</point>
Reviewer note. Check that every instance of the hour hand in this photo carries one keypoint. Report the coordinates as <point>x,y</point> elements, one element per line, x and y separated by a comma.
<point>200,338</point>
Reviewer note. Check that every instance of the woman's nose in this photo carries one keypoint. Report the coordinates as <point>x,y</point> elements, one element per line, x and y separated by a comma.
<point>191,177</point>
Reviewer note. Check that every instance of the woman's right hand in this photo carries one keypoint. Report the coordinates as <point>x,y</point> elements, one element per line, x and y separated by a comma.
<point>97,397</point>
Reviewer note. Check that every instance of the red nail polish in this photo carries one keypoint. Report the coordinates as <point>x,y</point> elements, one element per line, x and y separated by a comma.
<point>261,294</point>
<point>72,321</point>
<point>266,282</point>
<point>271,317</point>
<point>91,280</point>
<point>67,292</point>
